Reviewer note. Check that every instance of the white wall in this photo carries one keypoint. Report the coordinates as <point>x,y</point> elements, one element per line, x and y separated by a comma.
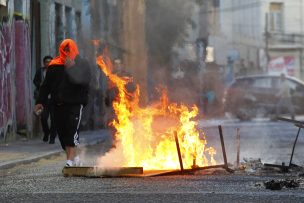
<point>242,26</point>
<point>293,16</point>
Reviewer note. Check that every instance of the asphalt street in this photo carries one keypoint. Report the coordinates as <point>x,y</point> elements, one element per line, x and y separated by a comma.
<point>270,141</point>
<point>42,181</point>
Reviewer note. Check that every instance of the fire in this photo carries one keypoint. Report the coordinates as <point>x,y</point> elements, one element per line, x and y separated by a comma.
<point>145,136</point>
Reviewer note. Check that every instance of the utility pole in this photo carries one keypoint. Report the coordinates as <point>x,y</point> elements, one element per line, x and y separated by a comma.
<point>134,39</point>
<point>301,49</point>
<point>267,35</point>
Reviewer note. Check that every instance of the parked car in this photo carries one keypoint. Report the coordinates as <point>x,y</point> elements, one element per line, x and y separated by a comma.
<point>251,96</point>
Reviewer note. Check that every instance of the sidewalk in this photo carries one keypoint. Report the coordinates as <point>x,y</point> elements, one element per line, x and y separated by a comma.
<point>26,151</point>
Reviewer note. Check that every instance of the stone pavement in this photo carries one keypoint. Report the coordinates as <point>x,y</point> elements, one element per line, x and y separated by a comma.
<point>26,151</point>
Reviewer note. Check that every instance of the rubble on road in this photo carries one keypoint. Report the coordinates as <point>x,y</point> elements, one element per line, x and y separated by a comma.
<point>279,184</point>
<point>256,167</point>
<point>214,171</point>
<point>251,165</point>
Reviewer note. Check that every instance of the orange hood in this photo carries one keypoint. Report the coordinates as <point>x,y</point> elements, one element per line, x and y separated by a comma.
<point>67,48</point>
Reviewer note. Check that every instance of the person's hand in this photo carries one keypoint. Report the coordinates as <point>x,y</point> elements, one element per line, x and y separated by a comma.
<point>38,109</point>
<point>69,62</point>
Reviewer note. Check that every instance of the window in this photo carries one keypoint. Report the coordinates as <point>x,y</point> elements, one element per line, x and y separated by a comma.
<point>293,85</point>
<point>78,24</point>
<point>243,83</point>
<point>3,12</point>
<point>18,9</point>
<point>68,23</point>
<point>18,6</point>
<point>276,82</point>
<point>262,83</point>
<point>276,17</point>
<point>59,29</point>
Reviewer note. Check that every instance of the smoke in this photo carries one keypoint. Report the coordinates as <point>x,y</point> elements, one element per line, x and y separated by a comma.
<point>82,154</point>
<point>166,27</point>
<point>113,158</point>
<point>167,30</point>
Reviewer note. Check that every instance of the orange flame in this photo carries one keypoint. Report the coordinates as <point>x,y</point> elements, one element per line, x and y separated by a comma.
<point>145,135</point>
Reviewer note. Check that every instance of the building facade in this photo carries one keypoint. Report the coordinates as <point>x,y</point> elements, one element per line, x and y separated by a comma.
<point>263,35</point>
<point>29,30</point>
<point>15,70</point>
<point>59,19</point>
<point>32,29</point>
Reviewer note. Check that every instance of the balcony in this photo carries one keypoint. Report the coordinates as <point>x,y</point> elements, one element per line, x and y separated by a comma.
<point>285,40</point>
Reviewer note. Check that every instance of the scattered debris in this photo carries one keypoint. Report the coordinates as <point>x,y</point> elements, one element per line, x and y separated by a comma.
<point>283,168</point>
<point>279,184</point>
<point>255,166</point>
<point>214,171</point>
<point>259,184</point>
<point>291,183</point>
<point>301,174</point>
<point>273,185</point>
<point>251,165</point>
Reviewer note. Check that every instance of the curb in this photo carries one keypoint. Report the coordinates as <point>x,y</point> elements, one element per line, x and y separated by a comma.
<point>11,164</point>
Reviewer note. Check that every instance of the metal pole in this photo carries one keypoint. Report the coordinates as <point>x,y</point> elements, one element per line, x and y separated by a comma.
<point>178,152</point>
<point>238,137</point>
<point>294,145</point>
<point>223,146</point>
<point>267,35</point>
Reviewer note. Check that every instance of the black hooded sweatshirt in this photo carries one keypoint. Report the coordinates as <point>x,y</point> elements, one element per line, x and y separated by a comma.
<point>66,85</point>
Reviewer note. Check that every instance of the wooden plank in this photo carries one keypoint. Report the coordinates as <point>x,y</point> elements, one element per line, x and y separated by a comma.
<point>128,171</point>
<point>84,171</point>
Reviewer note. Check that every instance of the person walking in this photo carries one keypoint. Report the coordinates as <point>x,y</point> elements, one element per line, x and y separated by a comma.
<point>49,131</point>
<point>67,81</point>
<point>284,96</point>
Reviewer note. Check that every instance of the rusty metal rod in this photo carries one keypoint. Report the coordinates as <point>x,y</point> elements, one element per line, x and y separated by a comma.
<point>178,152</point>
<point>186,171</point>
<point>238,137</point>
<point>294,145</point>
<point>290,120</point>
<point>223,146</point>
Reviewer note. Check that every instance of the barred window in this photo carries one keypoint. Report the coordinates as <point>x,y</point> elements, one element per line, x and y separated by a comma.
<point>276,17</point>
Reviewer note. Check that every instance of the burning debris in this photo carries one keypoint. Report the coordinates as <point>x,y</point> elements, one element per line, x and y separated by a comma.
<point>144,136</point>
<point>139,172</point>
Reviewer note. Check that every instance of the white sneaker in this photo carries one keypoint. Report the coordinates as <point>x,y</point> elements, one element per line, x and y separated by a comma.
<point>77,161</point>
<point>69,163</point>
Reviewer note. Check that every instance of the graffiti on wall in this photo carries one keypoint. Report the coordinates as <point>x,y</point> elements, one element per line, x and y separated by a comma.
<point>7,66</point>
<point>15,79</point>
<point>23,77</point>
